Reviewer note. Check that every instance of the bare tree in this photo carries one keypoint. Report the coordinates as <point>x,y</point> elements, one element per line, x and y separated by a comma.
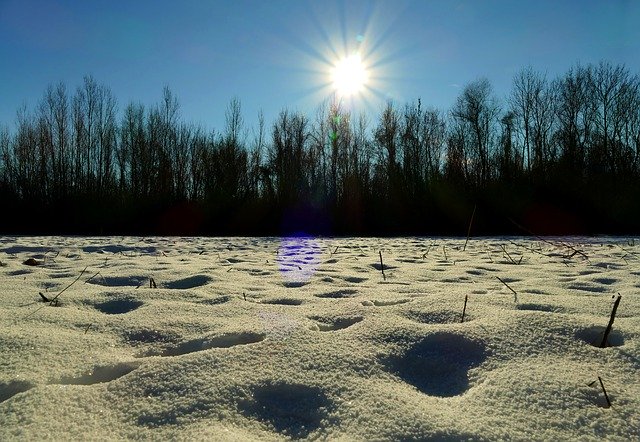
<point>6,161</point>
<point>612,89</point>
<point>94,110</point>
<point>458,161</point>
<point>198,156</point>
<point>476,109</point>
<point>423,139</point>
<point>532,103</point>
<point>54,131</point>
<point>133,155</point>
<point>362,154</point>
<point>286,157</point>
<point>414,162</point>
<point>318,152</point>
<point>387,139</point>
<point>256,158</point>
<point>433,139</point>
<point>525,84</point>
<point>107,139</point>
<point>341,145</point>
<point>232,153</point>
<point>575,121</point>
<point>508,164</point>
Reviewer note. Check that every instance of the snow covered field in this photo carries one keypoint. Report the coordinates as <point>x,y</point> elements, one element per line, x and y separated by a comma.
<point>267,339</point>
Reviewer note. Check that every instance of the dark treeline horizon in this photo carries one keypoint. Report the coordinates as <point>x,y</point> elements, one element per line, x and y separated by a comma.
<point>557,156</point>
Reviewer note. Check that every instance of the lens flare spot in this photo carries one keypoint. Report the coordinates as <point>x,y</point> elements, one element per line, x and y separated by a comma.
<point>298,258</point>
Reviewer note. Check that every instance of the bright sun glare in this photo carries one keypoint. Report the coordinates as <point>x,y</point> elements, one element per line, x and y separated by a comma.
<point>349,75</point>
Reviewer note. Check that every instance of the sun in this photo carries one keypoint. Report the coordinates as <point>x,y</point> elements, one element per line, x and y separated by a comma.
<point>349,75</point>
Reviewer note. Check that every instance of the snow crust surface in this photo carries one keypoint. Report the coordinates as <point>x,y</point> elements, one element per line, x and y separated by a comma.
<point>305,338</point>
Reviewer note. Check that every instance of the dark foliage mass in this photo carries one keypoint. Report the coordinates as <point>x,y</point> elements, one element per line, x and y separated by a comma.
<point>556,156</point>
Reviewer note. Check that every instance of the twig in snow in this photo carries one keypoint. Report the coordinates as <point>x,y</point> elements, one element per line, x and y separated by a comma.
<point>504,249</point>
<point>551,243</point>
<point>74,281</point>
<point>382,266</point>
<point>606,396</point>
<point>152,283</point>
<point>488,254</point>
<point>464,309</point>
<point>444,250</point>
<point>515,295</point>
<point>469,229</point>
<point>603,344</point>
<point>531,249</point>
<point>94,275</point>
<point>54,300</point>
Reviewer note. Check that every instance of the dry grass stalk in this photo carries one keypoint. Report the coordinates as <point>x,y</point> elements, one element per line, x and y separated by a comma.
<point>515,295</point>
<point>464,309</point>
<point>513,261</point>
<point>74,281</point>
<point>488,255</point>
<point>558,245</point>
<point>424,255</point>
<point>54,301</point>
<point>531,249</point>
<point>94,275</point>
<point>606,396</point>
<point>469,229</point>
<point>603,344</point>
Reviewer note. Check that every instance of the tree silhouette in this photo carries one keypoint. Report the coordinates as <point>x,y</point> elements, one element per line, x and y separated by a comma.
<point>76,163</point>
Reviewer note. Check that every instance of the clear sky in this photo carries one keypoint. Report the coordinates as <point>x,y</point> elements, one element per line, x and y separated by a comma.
<point>275,54</point>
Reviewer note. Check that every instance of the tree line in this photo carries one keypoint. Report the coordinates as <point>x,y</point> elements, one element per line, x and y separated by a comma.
<point>557,155</point>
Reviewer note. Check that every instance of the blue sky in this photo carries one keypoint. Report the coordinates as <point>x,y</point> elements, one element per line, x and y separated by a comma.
<point>278,54</point>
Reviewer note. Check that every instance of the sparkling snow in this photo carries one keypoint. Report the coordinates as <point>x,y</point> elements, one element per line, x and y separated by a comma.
<point>277,338</point>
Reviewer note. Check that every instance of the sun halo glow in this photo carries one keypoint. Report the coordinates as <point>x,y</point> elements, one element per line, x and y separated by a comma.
<point>349,75</point>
